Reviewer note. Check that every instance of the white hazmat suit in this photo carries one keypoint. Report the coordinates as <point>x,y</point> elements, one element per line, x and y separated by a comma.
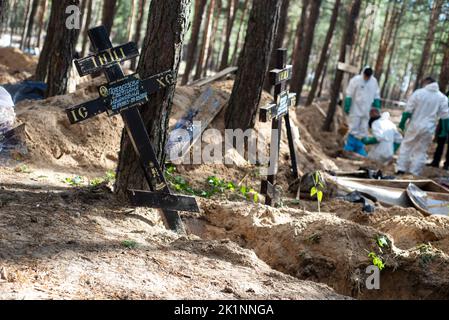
<point>426,105</point>
<point>363,93</point>
<point>387,135</point>
<point>7,114</point>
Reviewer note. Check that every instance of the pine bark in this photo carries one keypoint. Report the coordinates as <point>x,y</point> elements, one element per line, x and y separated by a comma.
<point>40,20</point>
<point>348,40</point>
<point>162,50</point>
<point>138,28</point>
<point>231,14</point>
<point>55,60</point>
<point>280,36</point>
<point>444,73</point>
<point>193,44</point>
<point>25,24</point>
<point>109,8</point>
<point>205,42</point>
<point>324,52</point>
<point>86,28</point>
<point>213,38</point>
<point>245,97</point>
<point>239,33</point>
<point>303,50</point>
<point>424,63</point>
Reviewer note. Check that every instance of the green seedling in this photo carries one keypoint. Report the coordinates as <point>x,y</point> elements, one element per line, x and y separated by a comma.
<point>382,241</point>
<point>130,244</point>
<point>23,169</point>
<point>315,238</point>
<point>377,261</point>
<point>317,189</point>
<point>75,181</point>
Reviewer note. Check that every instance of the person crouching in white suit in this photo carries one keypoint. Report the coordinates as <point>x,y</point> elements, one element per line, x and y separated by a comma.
<point>386,138</point>
<point>424,108</point>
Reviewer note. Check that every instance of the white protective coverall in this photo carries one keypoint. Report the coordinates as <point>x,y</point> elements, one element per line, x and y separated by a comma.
<point>7,114</point>
<point>386,132</point>
<point>426,105</point>
<point>363,93</point>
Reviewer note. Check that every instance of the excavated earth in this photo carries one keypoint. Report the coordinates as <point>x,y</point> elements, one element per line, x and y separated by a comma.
<point>78,242</point>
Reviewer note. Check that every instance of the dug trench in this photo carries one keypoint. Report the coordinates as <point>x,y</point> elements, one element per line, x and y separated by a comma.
<point>57,240</point>
<point>333,248</point>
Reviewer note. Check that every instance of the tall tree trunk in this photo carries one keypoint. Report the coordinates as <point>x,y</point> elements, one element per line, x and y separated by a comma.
<point>300,28</point>
<point>4,6</point>
<point>25,23</point>
<point>301,58</point>
<point>130,20</point>
<point>444,73</point>
<point>279,40</point>
<point>348,39</point>
<point>40,20</point>
<point>245,97</point>
<point>205,42</point>
<point>210,49</point>
<point>239,33</point>
<point>324,52</point>
<point>167,24</point>
<point>55,60</point>
<point>232,10</point>
<point>193,44</point>
<point>107,18</point>
<point>138,28</point>
<point>86,28</point>
<point>436,11</point>
<point>29,32</point>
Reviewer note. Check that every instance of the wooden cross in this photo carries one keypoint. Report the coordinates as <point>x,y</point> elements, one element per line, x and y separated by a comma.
<point>348,69</point>
<point>275,112</point>
<point>122,95</point>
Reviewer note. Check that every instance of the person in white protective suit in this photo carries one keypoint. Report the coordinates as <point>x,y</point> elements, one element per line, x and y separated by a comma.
<point>424,108</point>
<point>7,114</point>
<point>362,94</point>
<point>386,138</point>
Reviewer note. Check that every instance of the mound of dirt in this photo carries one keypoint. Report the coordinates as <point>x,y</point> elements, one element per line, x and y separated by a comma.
<point>325,248</point>
<point>91,145</point>
<point>16,65</point>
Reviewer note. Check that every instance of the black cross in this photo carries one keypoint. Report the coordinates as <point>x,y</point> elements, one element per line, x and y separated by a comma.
<point>276,111</point>
<point>122,95</point>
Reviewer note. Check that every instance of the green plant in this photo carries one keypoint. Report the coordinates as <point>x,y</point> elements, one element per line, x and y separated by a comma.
<point>318,188</point>
<point>377,261</point>
<point>74,181</point>
<point>23,169</point>
<point>382,241</point>
<point>314,238</point>
<point>427,253</point>
<point>107,178</point>
<point>130,244</point>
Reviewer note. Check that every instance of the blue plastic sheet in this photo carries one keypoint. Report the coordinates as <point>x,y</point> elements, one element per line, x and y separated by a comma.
<point>26,90</point>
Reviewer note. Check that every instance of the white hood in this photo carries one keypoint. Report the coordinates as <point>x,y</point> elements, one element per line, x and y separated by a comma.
<point>433,87</point>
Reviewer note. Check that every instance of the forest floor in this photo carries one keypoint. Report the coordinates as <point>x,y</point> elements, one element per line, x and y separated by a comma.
<point>64,236</point>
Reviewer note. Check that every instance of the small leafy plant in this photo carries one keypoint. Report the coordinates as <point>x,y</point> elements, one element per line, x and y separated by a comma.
<point>214,184</point>
<point>23,169</point>
<point>130,244</point>
<point>74,181</point>
<point>107,178</point>
<point>377,261</point>
<point>317,189</point>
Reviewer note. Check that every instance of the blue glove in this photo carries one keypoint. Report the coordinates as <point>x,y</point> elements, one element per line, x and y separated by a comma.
<point>405,117</point>
<point>377,104</point>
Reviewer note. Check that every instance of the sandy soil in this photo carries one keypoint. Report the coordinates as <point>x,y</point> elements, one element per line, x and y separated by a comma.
<point>61,241</point>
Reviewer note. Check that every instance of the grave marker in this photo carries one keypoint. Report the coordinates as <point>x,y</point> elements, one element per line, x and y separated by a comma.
<point>122,95</point>
<point>276,112</point>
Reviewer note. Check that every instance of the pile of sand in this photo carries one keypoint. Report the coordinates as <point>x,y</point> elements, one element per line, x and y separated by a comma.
<point>329,248</point>
<point>15,65</point>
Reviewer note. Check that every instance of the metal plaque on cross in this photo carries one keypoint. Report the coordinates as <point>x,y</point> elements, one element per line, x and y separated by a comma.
<point>122,95</point>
